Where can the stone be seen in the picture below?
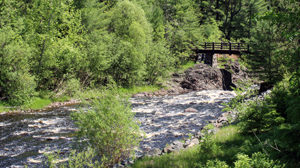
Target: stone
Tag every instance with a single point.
(154, 152)
(199, 135)
(191, 110)
(222, 120)
(187, 142)
(177, 145)
(202, 77)
(168, 149)
(139, 95)
(193, 142)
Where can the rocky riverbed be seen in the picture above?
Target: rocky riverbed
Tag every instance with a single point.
(167, 119)
(26, 137)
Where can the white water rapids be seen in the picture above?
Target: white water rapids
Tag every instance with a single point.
(25, 138)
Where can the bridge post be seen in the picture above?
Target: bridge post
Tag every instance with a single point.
(213, 46)
(208, 59)
(205, 45)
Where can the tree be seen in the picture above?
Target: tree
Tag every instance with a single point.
(132, 31)
(53, 31)
(16, 84)
(263, 61)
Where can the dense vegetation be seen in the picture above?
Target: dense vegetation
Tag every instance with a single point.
(57, 47)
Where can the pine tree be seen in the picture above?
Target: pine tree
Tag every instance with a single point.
(263, 60)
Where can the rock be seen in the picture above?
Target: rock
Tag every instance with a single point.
(222, 120)
(187, 142)
(154, 152)
(191, 110)
(227, 80)
(139, 95)
(218, 125)
(177, 145)
(265, 86)
(193, 142)
(211, 131)
(168, 149)
(199, 135)
(202, 77)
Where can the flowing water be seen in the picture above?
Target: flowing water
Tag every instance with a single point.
(25, 138)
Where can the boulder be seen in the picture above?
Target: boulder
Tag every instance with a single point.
(202, 77)
(154, 152)
(168, 149)
(177, 145)
(191, 110)
(193, 142)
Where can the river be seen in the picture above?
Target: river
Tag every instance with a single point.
(26, 137)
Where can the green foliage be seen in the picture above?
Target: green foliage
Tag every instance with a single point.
(158, 62)
(52, 31)
(17, 85)
(258, 160)
(216, 164)
(264, 62)
(86, 158)
(69, 88)
(109, 127)
(133, 33)
(210, 31)
(259, 116)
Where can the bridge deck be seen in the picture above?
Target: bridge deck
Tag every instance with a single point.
(226, 48)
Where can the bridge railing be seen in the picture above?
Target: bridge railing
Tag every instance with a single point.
(225, 46)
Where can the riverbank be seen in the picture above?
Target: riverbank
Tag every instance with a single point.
(39, 104)
(259, 137)
(47, 101)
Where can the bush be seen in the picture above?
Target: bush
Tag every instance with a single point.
(259, 116)
(20, 88)
(158, 62)
(109, 127)
(69, 88)
(258, 160)
(16, 84)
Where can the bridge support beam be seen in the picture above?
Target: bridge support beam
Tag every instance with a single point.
(209, 59)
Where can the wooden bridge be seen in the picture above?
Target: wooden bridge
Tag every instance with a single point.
(223, 48)
(209, 51)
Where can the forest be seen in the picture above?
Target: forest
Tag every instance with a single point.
(55, 48)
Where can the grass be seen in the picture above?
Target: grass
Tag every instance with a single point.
(44, 99)
(185, 66)
(182, 159)
(38, 103)
(224, 145)
(139, 89)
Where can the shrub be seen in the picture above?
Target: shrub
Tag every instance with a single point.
(258, 160)
(259, 116)
(19, 88)
(69, 88)
(158, 62)
(109, 127)
(16, 84)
